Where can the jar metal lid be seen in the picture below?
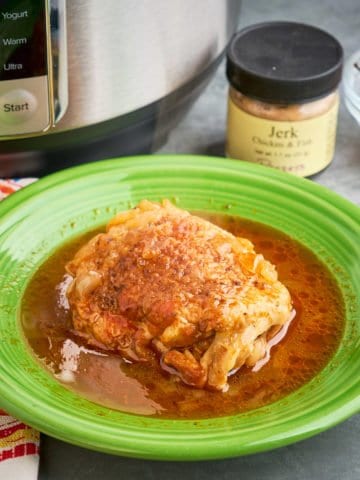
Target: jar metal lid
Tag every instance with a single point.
(284, 62)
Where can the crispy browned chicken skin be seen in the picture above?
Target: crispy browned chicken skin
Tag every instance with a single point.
(163, 282)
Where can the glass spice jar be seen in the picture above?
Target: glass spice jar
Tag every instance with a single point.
(283, 96)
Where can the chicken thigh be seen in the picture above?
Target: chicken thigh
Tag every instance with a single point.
(162, 282)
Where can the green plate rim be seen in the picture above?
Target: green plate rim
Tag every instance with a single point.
(140, 445)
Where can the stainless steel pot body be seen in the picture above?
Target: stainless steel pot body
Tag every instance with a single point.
(111, 65)
(123, 55)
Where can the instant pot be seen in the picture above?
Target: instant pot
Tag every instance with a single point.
(82, 80)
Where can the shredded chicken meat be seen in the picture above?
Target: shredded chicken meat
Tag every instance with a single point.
(162, 282)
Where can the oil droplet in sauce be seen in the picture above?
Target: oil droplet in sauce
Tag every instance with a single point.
(306, 347)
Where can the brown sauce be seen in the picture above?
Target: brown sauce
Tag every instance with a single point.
(104, 378)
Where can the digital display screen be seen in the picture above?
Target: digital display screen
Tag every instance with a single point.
(23, 52)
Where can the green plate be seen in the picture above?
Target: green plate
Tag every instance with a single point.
(36, 220)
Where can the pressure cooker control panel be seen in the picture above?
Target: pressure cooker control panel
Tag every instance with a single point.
(24, 77)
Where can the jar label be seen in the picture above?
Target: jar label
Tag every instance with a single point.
(302, 147)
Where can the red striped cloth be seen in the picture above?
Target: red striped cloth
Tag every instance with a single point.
(9, 186)
(16, 439)
(19, 444)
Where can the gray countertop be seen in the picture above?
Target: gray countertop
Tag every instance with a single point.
(332, 455)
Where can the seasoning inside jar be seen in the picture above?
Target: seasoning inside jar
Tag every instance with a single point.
(283, 96)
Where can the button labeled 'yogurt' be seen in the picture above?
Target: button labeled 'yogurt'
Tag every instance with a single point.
(17, 106)
(14, 15)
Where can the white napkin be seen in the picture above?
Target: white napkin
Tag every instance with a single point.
(19, 444)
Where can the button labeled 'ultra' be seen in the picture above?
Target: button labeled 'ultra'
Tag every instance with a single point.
(12, 66)
(17, 106)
